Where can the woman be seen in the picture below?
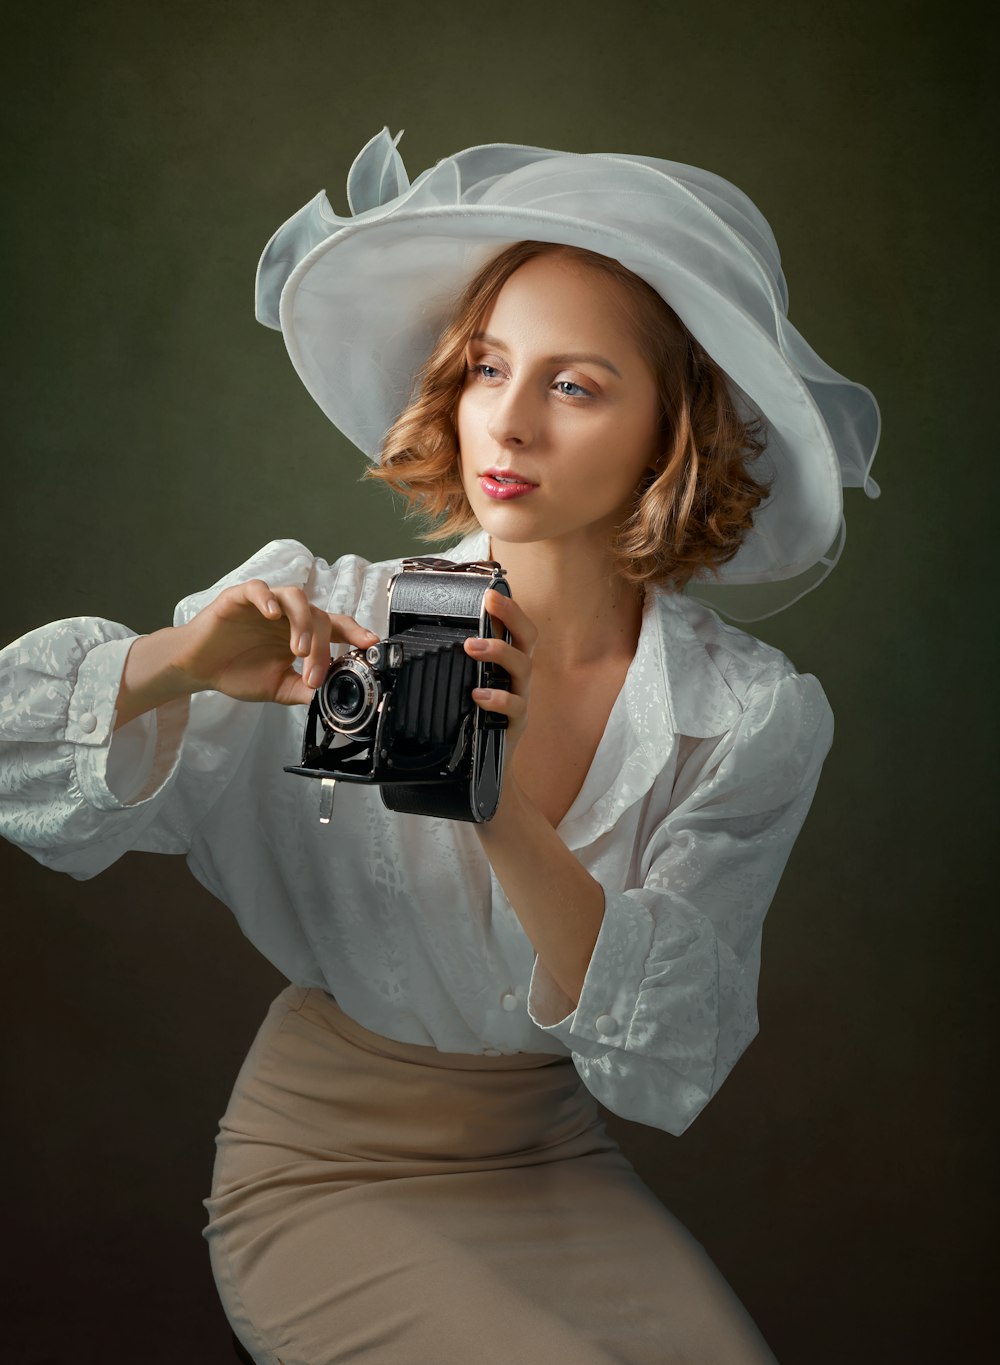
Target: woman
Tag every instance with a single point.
(584, 364)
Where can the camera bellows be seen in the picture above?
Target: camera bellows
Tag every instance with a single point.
(433, 692)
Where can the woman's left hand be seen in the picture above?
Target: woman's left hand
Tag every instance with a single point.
(515, 657)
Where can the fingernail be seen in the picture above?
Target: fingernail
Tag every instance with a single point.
(315, 676)
(477, 645)
(483, 693)
(305, 641)
(273, 608)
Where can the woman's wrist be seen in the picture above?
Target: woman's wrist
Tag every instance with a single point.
(510, 804)
(153, 675)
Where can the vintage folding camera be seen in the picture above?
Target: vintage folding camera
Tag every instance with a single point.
(401, 714)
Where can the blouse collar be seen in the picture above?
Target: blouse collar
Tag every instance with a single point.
(673, 687)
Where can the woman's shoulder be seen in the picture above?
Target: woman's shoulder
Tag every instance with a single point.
(721, 679)
(743, 662)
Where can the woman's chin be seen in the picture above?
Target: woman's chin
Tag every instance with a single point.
(505, 534)
(507, 522)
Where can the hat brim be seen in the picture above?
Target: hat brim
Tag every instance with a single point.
(363, 309)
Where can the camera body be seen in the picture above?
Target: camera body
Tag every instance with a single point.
(400, 713)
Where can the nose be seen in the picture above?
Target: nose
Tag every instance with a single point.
(513, 416)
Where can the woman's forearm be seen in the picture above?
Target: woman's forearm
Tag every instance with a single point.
(152, 676)
(560, 905)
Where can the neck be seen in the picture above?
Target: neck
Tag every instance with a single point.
(585, 613)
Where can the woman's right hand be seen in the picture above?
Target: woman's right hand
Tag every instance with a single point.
(246, 640)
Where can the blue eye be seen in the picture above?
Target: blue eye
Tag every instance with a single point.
(482, 366)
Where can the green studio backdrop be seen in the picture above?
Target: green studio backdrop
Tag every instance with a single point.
(156, 435)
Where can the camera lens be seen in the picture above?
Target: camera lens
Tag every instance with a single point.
(346, 696)
(348, 699)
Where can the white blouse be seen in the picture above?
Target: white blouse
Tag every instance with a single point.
(700, 784)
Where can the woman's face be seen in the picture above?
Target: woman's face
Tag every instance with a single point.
(556, 390)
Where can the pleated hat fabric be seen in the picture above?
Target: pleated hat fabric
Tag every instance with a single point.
(361, 300)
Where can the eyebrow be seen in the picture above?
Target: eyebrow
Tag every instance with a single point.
(556, 359)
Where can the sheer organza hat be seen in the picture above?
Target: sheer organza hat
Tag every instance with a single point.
(361, 300)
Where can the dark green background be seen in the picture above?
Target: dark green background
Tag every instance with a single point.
(156, 435)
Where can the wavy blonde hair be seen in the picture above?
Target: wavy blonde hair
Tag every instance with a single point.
(690, 512)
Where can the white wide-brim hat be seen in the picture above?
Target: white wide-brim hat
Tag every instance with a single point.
(361, 302)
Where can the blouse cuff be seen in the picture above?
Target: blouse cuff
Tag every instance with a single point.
(610, 988)
(125, 767)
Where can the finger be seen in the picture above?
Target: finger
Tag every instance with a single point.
(513, 617)
(292, 690)
(316, 663)
(495, 699)
(297, 607)
(508, 656)
(346, 629)
(324, 628)
(260, 595)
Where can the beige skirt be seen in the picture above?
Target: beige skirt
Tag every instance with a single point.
(384, 1203)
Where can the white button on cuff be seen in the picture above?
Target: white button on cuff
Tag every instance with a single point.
(88, 722)
(606, 1024)
(492, 1052)
(509, 1001)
